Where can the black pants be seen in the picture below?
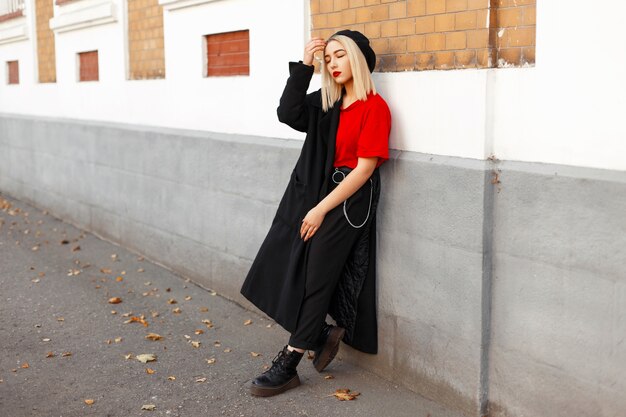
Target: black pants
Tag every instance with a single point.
(329, 249)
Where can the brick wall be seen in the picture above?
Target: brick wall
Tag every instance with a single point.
(145, 39)
(435, 34)
(13, 72)
(88, 66)
(228, 53)
(46, 58)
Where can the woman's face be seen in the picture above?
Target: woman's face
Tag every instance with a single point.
(337, 62)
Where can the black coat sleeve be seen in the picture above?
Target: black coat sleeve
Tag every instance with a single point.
(293, 110)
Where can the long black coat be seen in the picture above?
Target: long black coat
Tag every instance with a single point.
(275, 282)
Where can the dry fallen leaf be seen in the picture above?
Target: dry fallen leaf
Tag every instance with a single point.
(89, 401)
(210, 361)
(25, 365)
(76, 248)
(171, 378)
(200, 379)
(154, 314)
(146, 357)
(172, 301)
(45, 339)
(138, 320)
(150, 371)
(247, 322)
(105, 270)
(199, 331)
(140, 270)
(149, 407)
(217, 343)
(129, 356)
(49, 354)
(118, 339)
(344, 394)
(254, 354)
(115, 300)
(195, 344)
(213, 293)
(113, 312)
(177, 310)
(208, 323)
(204, 309)
(227, 350)
(329, 377)
(153, 336)
(119, 279)
(188, 298)
(66, 354)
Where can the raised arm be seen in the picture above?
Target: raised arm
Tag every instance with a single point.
(292, 109)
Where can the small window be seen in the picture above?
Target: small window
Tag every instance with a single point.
(88, 66)
(13, 72)
(228, 53)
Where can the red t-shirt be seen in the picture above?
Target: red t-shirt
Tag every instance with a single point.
(363, 131)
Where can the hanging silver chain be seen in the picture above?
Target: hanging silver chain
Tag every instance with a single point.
(345, 212)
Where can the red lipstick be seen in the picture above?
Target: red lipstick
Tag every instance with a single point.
(336, 73)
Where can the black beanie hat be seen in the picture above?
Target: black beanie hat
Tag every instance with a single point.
(364, 45)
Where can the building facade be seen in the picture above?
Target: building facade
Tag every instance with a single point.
(502, 236)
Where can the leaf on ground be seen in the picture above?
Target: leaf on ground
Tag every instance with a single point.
(113, 312)
(115, 300)
(213, 293)
(217, 343)
(177, 310)
(195, 344)
(149, 407)
(344, 394)
(129, 356)
(25, 365)
(138, 320)
(172, 301)
(171, 378)
(76, 248)
(200, 379)
(255, 354)
(114, 256)
(153, 336)
(66, 354)
(119, 279)
(210, 361)
(150, 371)
(45, 339)
(208, 323)
(199, 331)
(329, 377)
(204, 309)
(247, 322)
(117, 339)
(140, 270)
(65, 242)
(50, 355)
(146, 357)
(188, 298)
(89, 401)
(105, 270)
(227, 350)
(154, 314)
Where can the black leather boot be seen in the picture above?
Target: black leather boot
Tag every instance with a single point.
(280, 377)
(328, 346)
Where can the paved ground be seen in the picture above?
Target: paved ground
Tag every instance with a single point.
(62, 343)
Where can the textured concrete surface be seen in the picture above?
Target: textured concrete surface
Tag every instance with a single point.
(497, 280)
(54, 298)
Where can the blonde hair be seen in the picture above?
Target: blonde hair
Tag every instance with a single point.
(361, 76)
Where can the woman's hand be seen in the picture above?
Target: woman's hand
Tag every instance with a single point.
(314, 45)
(311, 223)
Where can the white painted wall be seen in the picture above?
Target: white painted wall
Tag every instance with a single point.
(564, 110)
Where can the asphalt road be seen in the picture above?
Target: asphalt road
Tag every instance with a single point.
(63, 343)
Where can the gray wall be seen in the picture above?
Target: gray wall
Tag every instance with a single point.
(512, 293)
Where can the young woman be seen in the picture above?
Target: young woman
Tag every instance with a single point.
(319, 255)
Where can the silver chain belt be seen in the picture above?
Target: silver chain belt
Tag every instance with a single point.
(345, 212)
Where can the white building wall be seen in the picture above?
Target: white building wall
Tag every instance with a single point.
(565, 110)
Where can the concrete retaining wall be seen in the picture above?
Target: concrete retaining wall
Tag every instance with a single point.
(512, 293)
